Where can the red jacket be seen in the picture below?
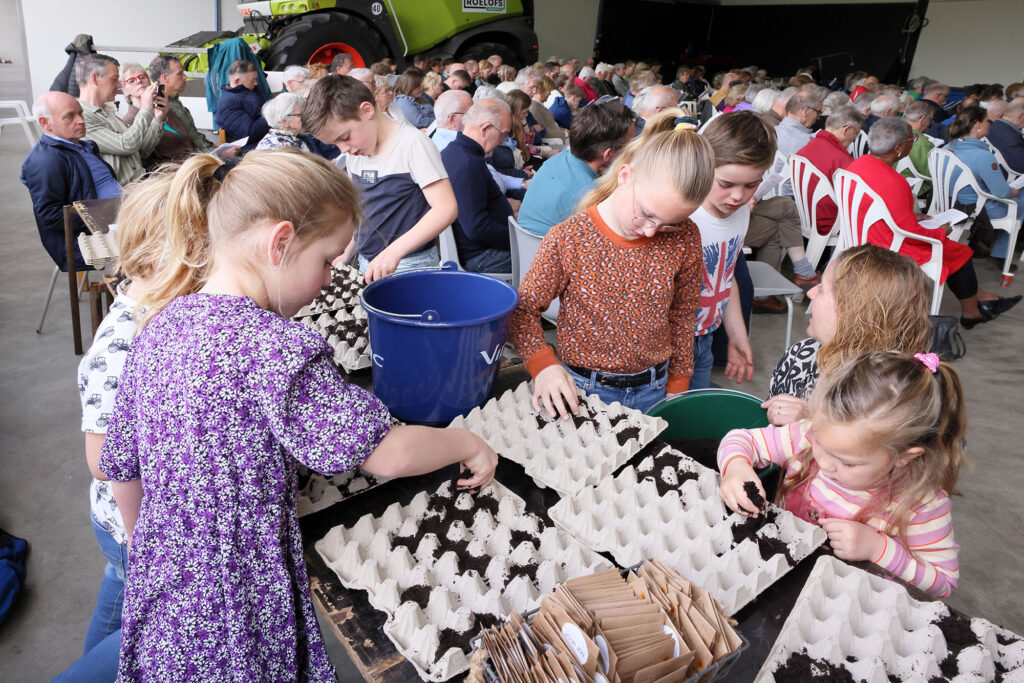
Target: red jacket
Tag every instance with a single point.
(895, 192)
(589, 92)
(827, 154)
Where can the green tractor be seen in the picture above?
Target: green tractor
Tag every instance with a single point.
(290, 32)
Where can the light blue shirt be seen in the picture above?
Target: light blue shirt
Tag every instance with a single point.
(102, 176)
(979, 158)
(791, 136)
(554, 192)
(442, 137)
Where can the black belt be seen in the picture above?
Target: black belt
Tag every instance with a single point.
(624, 381)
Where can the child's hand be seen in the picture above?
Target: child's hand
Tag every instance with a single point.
(481, 464)
(739, 365)
(383, 264)
(736, 474)
(553, 384)
(853, 541)
(783, 409)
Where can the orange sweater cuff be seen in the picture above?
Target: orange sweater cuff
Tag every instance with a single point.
(544, 358)
(677, 384)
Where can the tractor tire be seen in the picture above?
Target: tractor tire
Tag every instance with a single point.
(480, 51)
(310, 34)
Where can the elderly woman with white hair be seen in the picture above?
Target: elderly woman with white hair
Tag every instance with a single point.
(583, 80)
(294, 79)
(890, 140)
(284, 116)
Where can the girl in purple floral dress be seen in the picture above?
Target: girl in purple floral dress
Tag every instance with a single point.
(221, 395)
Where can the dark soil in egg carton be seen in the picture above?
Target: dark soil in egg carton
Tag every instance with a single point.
(622, 436)
(802, 668)
(958, 635)
(704, 451)
(750, 528)
(450, 638)
(750, 488)
(665, 460)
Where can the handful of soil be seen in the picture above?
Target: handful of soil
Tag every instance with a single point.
(750, 488)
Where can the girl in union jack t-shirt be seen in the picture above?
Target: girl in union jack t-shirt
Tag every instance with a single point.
(744, 149)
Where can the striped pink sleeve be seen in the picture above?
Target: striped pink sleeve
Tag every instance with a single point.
(931, 562)
(765, 446)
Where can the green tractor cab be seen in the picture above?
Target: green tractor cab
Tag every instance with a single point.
(316, 31)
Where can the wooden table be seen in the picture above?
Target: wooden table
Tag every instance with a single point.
(360, 627)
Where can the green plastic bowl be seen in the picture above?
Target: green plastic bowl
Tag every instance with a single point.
(711, 414)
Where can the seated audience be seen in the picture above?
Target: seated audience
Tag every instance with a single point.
(919, 116)
(863, 102)
(384, 97)
(827, 152)
(603, 83)
(294, 79)
(1005, 135)
(532, 83)
(935, 95)
(651, 102)
(870, 299)
(763, 103)
(834, 101)
(342, 64)
(598, 134)
(134, 82)
(62, 168)
(967, 141)
(867, 84)
(889, 141)
(120, 145)
(179, 137)
(284, 116)
(639, 81)
(735, 99)
(728, 80)
(881, 107)
(481, 228)
(238, 110)
(433, 86)
(316, 71)
(460, 80)
(367, 78)
(619, 79)
(408, 89)
(794, 132)
(778, 110)
(583, 80)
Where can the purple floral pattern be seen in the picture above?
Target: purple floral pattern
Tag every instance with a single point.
(218, 400)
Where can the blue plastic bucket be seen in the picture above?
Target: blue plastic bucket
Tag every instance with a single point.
(436, 338)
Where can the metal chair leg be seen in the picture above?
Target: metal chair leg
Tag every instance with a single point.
(49, 295)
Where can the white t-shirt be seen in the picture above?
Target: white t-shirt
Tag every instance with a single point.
(99, 375)
(721, 241)
(392, 185)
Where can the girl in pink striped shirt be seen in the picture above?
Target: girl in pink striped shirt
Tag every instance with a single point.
(875, 465)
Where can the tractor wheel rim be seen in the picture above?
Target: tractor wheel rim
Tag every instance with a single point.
(327, 53)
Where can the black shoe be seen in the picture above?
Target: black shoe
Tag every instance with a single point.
(999, 306)
(968, 323)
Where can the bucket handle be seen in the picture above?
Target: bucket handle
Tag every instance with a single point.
(427, 316)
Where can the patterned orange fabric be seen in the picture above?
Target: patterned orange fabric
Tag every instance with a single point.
(626, 305)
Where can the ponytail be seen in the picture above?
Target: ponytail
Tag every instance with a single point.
(187, 239)
(666, 149)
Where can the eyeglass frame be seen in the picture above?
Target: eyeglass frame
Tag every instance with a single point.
(642, 222)
(135, 79)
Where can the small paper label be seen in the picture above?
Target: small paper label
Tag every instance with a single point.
(675, 638)
(577, 641)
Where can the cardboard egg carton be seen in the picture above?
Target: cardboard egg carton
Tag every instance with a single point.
(565, 455)
(318, 492)
(849, 621)
(346, 333)
(343, 292)
(99, 249)
(668, 507)
(449, 564)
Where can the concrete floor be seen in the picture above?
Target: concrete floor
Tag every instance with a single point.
(44, 481)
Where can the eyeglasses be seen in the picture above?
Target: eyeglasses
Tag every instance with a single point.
(643, 223)
(293, 115)
(136, 80)
(816, 111)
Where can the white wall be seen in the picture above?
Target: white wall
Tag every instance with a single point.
(10, 32)
(52, 24)
(565, 28)
(972, 41)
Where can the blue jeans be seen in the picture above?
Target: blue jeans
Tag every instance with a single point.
(703, 359)
(428, 258)
(489, 261)
(99, 665)
(640, 398)
(106, 617)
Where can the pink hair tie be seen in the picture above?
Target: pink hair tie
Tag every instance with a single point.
(929, 360)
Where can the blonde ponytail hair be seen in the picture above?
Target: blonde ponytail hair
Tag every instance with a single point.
(203, 214)
(141, 237)
(665, 151)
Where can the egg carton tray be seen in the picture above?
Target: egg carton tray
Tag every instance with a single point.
(343, 292)
(449, 564)
(853, 625)
(564, 455)
(668, 507)
(99, 249)
(318, 492)
(346, 333)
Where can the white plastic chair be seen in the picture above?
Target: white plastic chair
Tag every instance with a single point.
(905, 164)
(810, 188)
(859, 146)
(1010, 173)
(448, 251)
(950, 175)
(851, 193)
(524, 247)
(24, 118)
(780, 165)
(770, 282)
(690, 107)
